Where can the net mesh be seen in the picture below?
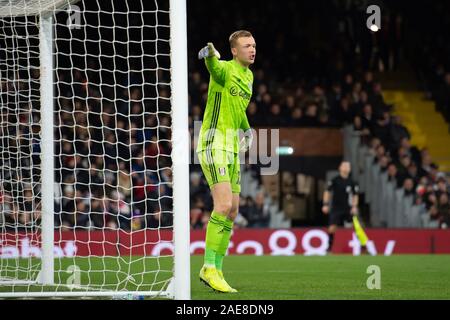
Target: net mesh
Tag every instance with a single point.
(112, 129)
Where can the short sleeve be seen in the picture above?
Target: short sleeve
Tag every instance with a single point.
(330, 185)
(355, 188)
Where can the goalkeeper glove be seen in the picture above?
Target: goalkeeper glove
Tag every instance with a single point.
(247, 140)
(208, 52)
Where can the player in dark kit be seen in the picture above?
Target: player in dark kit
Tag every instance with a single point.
(344, 202)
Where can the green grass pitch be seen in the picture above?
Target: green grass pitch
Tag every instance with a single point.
(330, 277)
(280, 277)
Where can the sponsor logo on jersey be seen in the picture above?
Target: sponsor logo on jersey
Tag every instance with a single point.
(244, 95)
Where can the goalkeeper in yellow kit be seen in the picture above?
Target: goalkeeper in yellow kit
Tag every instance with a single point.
(229, 93)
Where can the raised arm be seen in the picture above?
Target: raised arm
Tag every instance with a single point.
(216, 68)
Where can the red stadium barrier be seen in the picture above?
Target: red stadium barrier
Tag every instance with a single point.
(305, 241)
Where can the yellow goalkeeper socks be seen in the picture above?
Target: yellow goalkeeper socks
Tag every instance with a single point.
(214, 235)
(220, 254)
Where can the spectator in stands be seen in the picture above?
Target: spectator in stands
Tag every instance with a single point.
(288, 107)
(384, 163)
(334, 96)
(430, 198)
(257, 212)
(320, 99)
(197, 113)
(275, 116)
(255, 115)
(433, 213)
(363, 132)
(428, 167)
(355, 95)
(367, 118)
(441, 185)
(194, 86)
(444, 210)
(311, 117)
(377, 100)
(382, 127)
(9, 210)
(367, 84)
(260, 92)
(153, 220)
(413, 173)
(348, 84)
(138, 165)
(343, 114)
(244, 205)
(67, 204)
(98, 212)
(120, 211)
(403, 165)
(408, 187)
(198, 212)
(392, 173)
(421, 190)
(198, 188)
(295, 119)
(124, 184)
(81, 214)
(137, 220)
(264, 106)
(398, 131)
(380, 152)
(412, 151)
(361, 102)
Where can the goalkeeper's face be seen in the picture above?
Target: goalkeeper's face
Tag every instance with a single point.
(245, 50)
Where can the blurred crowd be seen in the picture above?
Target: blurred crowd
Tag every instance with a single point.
(322, 75)
(113, 168)
(410, 168)
(253, 212)
(123, 174)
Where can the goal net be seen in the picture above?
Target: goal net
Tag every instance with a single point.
(93, 162)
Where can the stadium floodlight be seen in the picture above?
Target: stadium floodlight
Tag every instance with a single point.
(94, 149)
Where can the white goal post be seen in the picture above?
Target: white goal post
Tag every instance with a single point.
(94, 149)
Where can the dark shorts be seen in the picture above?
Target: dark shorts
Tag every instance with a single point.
(339, 217)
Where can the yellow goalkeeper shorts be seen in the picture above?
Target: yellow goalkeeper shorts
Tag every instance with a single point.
(221, 166)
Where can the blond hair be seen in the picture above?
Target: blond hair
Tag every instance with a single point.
(238, 34)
